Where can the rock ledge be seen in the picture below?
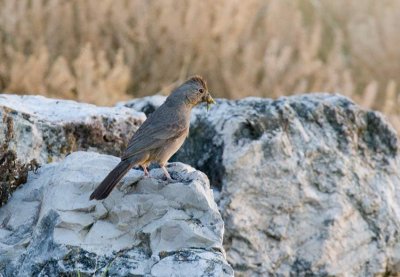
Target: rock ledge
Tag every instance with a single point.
(146, 226)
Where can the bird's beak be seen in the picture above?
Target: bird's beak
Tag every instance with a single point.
(209, 100)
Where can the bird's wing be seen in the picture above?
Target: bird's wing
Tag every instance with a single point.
(153, 134)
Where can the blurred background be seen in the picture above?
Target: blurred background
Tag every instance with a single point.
(111, 50)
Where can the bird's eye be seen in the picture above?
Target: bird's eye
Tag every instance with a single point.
(201, 90)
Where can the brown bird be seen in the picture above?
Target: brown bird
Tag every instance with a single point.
(161, 135)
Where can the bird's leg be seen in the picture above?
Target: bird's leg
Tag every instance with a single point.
(146, 172)
(166, 173)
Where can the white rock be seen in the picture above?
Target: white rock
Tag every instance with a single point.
(35, 130)
(310, 185)
(178, 264)
(146, 104)
(50, 222)
(42, 126)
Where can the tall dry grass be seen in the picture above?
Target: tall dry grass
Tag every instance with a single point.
(103, 51)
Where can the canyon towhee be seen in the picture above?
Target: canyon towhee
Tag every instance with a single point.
(160, 136)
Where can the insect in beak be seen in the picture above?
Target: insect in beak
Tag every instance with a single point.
(209, 101)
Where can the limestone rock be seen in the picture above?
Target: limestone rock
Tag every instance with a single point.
(146, 104)
(145, 227)
(36, 130)
(310, 185)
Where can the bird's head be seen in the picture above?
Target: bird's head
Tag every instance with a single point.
(194, 91)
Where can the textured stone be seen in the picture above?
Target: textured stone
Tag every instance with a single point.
(146, 104)
(310, 185)
(145, 227)
(35, 130)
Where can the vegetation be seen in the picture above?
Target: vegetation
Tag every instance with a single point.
(103, 51)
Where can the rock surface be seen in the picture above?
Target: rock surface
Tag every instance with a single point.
(35, 130)
(146, 104)
(145, 227)
(310, 185)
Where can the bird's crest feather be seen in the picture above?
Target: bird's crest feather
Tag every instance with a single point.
(198, 79)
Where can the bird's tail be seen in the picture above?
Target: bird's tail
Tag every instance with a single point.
(112, 179)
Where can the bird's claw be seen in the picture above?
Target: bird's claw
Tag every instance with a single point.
(166, 175)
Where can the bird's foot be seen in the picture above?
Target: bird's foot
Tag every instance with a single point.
(167, 176)
(146, 172)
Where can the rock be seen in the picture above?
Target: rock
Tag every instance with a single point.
(310, 185)
(145, 227)
(146, 104)
(35, 130)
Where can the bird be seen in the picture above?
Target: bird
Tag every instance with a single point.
(160, 135)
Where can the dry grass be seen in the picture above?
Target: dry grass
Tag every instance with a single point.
(102, 51)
